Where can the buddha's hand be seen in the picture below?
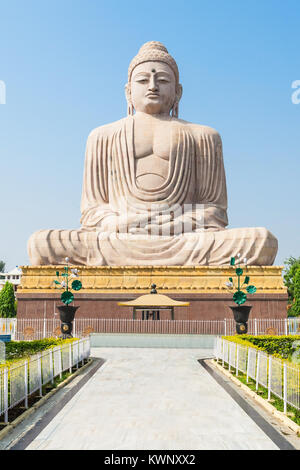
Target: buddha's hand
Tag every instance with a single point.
(126, 223)
(169, 225)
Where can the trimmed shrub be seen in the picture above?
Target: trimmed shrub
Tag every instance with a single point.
(280, 346)
(16, 350)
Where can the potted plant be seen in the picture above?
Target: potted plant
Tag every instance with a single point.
(67, 311)
(240, 312)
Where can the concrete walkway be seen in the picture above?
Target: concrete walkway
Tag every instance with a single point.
(151, 399)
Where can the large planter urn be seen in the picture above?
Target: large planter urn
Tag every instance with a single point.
(241, 315)
(67, 314)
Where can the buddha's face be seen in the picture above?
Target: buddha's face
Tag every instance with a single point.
(152, 88)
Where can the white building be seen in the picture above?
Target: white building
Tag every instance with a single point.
(14, 277)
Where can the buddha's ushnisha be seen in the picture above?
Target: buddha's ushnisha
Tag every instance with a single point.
(154, 188)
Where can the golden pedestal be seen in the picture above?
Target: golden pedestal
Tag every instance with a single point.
(138, 279)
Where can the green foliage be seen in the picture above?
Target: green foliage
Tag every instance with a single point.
(16, 350)
(279, 346)
(292, 265)
(294, 310)
(7, 301)
(2, 266)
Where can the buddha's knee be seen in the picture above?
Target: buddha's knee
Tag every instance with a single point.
(46, 247)
(265, 236)
(35, 247)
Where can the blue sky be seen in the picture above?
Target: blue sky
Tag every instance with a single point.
(65, 65)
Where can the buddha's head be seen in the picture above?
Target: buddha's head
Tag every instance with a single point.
(153, 81)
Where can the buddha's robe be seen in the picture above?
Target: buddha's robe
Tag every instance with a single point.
(194, 190)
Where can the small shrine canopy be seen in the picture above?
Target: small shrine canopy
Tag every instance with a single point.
(154, 300)
(151, 304)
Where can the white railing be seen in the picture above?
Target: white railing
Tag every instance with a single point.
(279, 377)
(38, 328)
(21, 380)
(8, 326)
(262, 326)
(294, 325)
(28, 329)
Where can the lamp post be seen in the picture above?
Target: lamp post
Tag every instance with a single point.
(66, 311)
(240, 312)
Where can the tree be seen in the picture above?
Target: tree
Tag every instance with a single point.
(2, 266)
(7, 301)
(294, 310)
(292, 265)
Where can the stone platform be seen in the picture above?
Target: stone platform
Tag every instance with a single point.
(103, 287)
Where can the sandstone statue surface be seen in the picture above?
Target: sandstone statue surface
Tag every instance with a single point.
(154, 188)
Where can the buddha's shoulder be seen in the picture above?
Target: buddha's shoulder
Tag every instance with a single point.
(199, 130)
(107, 130)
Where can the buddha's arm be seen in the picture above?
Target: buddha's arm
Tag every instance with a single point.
(97, 213)
(95, 207)
(210, 187)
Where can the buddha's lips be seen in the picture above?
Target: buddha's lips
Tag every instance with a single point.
(152, 95)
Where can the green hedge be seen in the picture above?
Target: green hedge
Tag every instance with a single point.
(280, 346)
(15, 350)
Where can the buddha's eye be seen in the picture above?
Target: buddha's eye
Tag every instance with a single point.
(142, 80)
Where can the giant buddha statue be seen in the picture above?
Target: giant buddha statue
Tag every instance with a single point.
(154, 187)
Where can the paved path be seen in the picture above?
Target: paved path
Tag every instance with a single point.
(151, 399)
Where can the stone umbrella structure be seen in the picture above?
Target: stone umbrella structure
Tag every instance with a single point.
(151, 304)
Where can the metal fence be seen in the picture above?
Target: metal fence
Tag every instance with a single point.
(8, 326)
(279, 377)
(38, 328)
(24, 378)
(266, 326)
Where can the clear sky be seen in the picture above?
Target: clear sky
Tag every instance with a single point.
(64, 63)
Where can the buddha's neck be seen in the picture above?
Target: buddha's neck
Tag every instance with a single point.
(160, 116)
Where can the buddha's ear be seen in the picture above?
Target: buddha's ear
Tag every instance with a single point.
(130, 108)
(178, 92)
(175, 107)
(127, 92)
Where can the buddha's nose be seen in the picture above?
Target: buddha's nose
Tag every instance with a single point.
(153, 84)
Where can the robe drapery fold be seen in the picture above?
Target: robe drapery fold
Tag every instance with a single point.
(196, 176)
(194, 192)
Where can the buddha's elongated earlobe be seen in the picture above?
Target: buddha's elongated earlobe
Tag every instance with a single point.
(175, 110)
(175, 107)
(130, 108)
